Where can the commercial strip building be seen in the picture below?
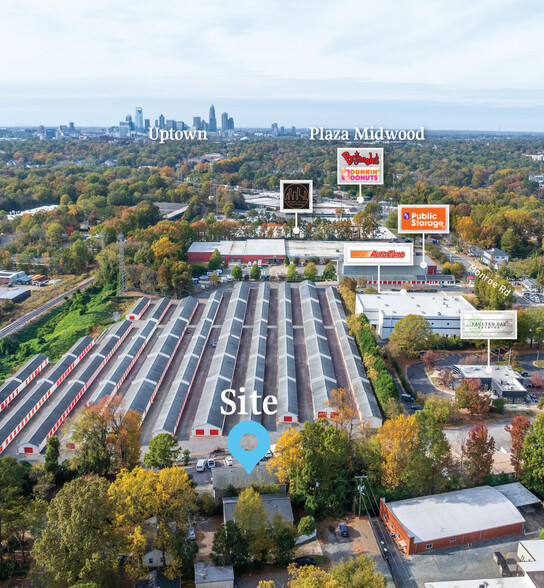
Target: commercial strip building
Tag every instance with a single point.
(453, 518)
(529, 566)
(383, 311)
(501, 380)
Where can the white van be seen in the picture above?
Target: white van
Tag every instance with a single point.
(211, 462)
(201, 465)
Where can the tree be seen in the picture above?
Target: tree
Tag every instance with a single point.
(343, 411)
(54, 234)
(458, 270)
(287, 456)
(429, 359)
(479, 451)
(215, 261)
(79, 542)
(358, 573)
(399, 445)
(286, 260)
(165, 249)
(292, 273)
(282, 535)
(310, 272)
(52, 454)
(445, 378)
(229, 546)
(306, 526)
(236, 272)
(106, 437)
(329, 272)
(163, 451)
(536, 380)
(411, 334)
(518, 428)
(255, 272)
(250, 515)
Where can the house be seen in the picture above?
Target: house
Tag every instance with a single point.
(239, 478)
(433, 522)
(209, 576)
(494, 257)
(273, 504)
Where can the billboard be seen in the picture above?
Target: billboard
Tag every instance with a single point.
(424, 218)
(296, 195)
(360, 166)
(489, 324)
(378, 253)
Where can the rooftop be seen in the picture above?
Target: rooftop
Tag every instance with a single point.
(206, 572)
(518, 495)
(430, 305)
(11, 293)
(504, 376)
(430, 518)
(273, 503)
(239, 478)
(496, 252)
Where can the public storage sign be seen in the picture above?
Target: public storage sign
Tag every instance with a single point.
(360, 166)
(378, 253)
(489, 324)
(422, 218)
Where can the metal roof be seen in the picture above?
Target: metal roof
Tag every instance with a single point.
(139, 306)
(174, 403)
(161, 308)
(21, 375)
(287, 379)
(273, 504)
(430, 518)
(220, 378)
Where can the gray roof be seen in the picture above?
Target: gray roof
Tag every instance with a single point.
(322, 376)
(222, 370)
(160, 309)
(430, 518)
(239, 478)
(174, 403)
(287, 379)
(206, 572)
(35, 399)
(139, 306)
(16, 381)
(273, 503)
(517, 494)
(365, 401)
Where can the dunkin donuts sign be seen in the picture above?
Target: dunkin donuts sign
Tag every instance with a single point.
(360, 166)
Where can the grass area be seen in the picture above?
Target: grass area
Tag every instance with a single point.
(540, 363)
(41, 296)
(87, 313)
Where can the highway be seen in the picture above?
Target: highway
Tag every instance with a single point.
(33, 314)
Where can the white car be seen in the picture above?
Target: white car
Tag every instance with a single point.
(228, 460)
(269, 454)
(191, 535)
(211, 462)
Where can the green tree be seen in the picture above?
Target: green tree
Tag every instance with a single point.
(292, 273)
(236, 272)
(532, 456)
(457, 269)
(411, 334)
(52, 454)
(229, 546)
(163, 451)
(306, 526)
(54, 234)
(79, 542)
(215, 261)
(310, 271)
(250, 515)
(286, 260)
(282, 536)
(255, 272)
(358, 573)
(329, 272)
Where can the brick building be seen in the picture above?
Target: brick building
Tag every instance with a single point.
(454, 518)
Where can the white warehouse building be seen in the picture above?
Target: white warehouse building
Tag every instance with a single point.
(383, 311)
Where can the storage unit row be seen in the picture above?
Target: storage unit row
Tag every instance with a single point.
(14, 385)
(287, 378)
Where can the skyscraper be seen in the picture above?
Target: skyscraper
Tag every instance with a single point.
(224, 122)
(230, 123)
(162, 122)
(139, 118)
(213, 120)
(197, 123)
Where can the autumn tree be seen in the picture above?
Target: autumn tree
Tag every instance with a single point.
(429, 359)
(250, 515)
(398, 442)
(287, 456)
(536, 380)
(445, 378)
(479, 451)
(165, 249)
(310, 271)
(343, 411)
(518, 428)
(292, 273)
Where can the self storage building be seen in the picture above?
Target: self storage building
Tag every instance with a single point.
(453, 518)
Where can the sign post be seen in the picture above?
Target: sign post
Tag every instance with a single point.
(360, 165)
(296, 196)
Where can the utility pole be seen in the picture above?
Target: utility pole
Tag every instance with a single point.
(122, 281)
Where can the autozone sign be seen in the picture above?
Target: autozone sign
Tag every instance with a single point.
(424, 218)
(378, 253)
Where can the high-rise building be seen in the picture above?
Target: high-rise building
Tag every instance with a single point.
(139, 119)
(197, 122)
(147, 124)
(274, 129)
(180, 125)
(224, 122)
(213, 120)
(230, 124)
(171, 124)
(162, 122)
(124, 129)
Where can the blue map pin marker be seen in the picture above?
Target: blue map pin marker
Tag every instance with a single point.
(249, 458)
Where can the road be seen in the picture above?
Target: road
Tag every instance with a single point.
(30, 316)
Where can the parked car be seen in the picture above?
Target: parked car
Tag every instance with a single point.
(304, 561)
(343, 530)
(228, 460)
(416, 407)
(525, 374)
(191, 534)
(211, 462)
(407, 397)
(201, 465)
(203, 277)
(214, 343)
(269, 454)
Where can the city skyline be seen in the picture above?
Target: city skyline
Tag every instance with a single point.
(472, 65)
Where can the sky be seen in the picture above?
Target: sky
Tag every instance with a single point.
(470, 64)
